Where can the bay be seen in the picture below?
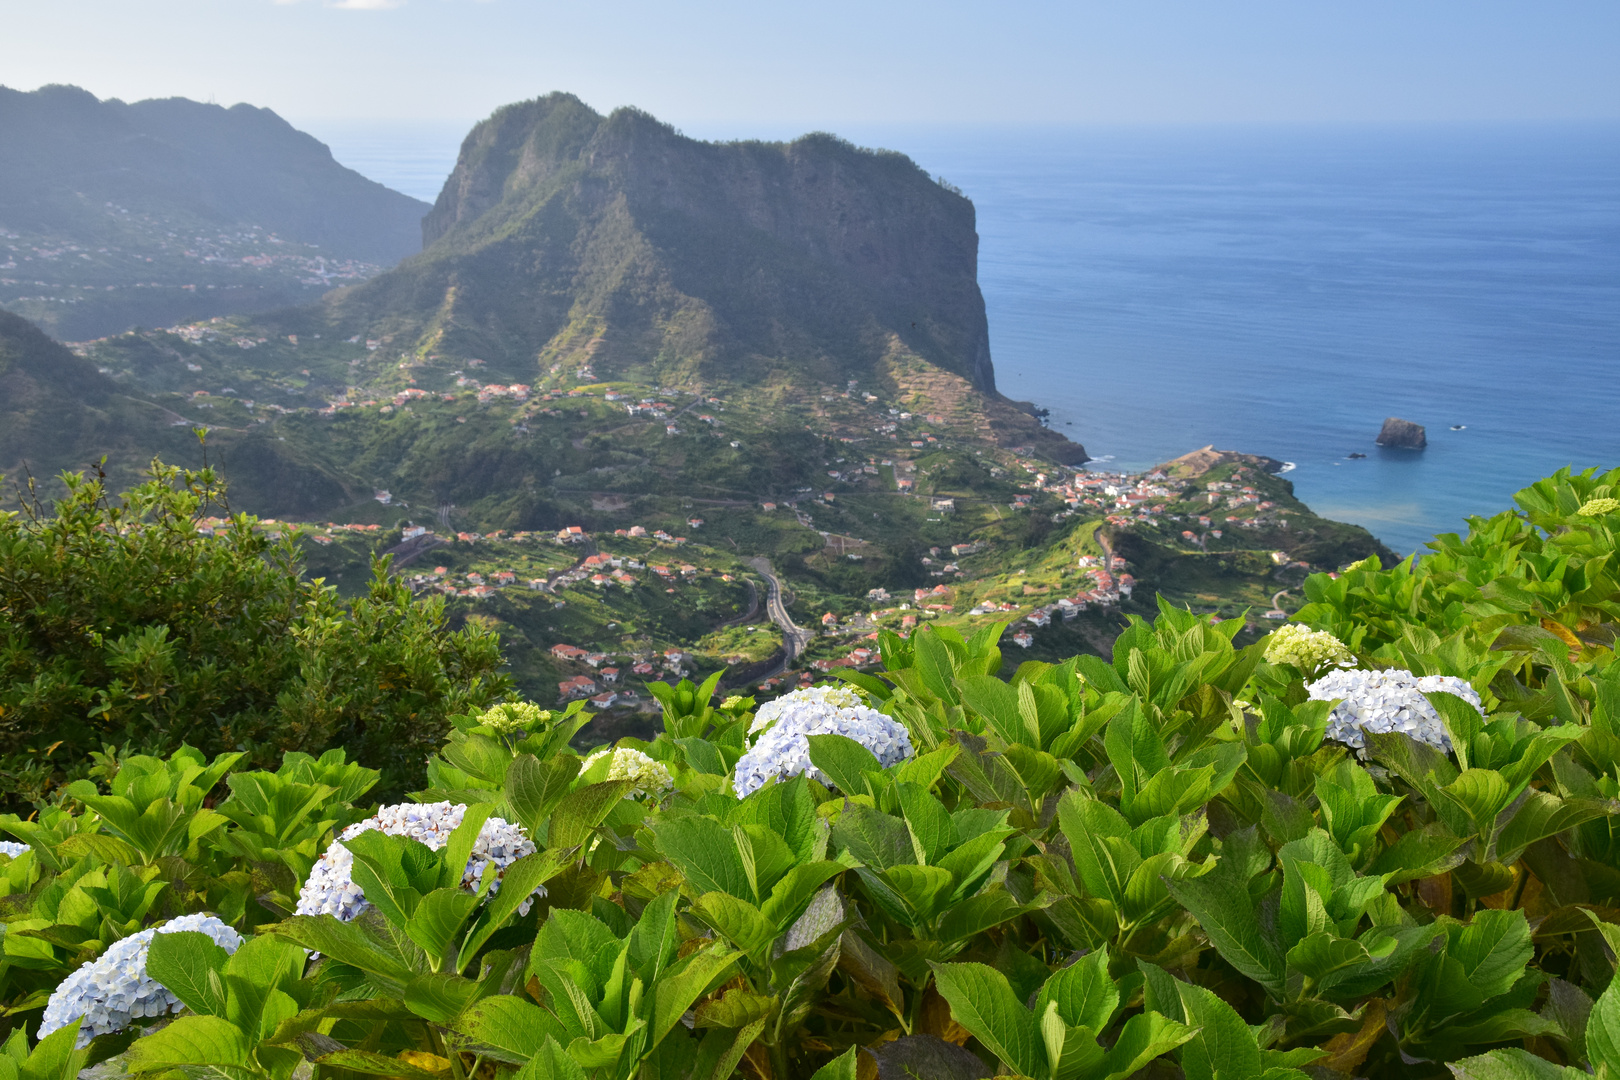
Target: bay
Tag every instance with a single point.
(1278, 291)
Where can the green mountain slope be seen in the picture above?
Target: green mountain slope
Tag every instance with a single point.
(115, 214)
(59, 412)
(566, 242)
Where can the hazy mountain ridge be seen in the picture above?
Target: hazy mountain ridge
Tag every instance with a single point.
(115, 215)
(237, 165)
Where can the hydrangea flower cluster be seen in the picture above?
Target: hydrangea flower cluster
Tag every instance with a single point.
(649, 776)
(12, 848)
(331, 889)
(786, 724)
(1387, 701)
(1598, 507)
(1306, 649)
(114, 989)
(514, 717)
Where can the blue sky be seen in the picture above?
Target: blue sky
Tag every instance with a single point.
(738, 68)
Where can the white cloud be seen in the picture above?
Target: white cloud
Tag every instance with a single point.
(368, 5)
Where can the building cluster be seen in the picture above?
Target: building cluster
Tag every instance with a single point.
(603, 687)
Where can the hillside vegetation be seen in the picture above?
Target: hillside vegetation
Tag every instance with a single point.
(1189, 859)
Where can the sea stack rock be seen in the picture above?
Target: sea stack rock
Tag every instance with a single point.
(1402, 434)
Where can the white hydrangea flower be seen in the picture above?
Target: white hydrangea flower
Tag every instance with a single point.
(650, 777)
(114, 989)
(511, 717)
(783, 748)
(1387, 701)
(12, 848)
(1598, 507)
(331, 889)
(1306, 649)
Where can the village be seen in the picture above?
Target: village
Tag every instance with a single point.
(881, 507)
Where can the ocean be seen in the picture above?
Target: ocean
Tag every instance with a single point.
(1278, 291)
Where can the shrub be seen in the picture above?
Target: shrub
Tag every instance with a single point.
(143, 623)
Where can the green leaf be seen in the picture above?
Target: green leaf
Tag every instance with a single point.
(932, 831)
(437, 923)
(1220, 901)
(684, 984)
(510, 1026)
(1223, 1047)
(55, 1058)
(191, 967)
(845, 762)
(734, 1009)
(1419, 853)
(575, 935)
(518, 884)
(583, 810)
(1493, 950)
(705, 851)
(550, 1063)
(359, 944)
(1512, 1063)
(1143, 1038)
(1603, 1031)
(738, 921)
(1083, 992)
(794, 889)
(874, 838)
(194, 1043)
(370, 1064)
(1104, 868)
(440, 996)
(983, 1001)
(977, 914)
(534, 787)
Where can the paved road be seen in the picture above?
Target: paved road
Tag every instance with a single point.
(794, 637)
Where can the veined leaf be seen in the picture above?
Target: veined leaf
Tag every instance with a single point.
(983, 1001)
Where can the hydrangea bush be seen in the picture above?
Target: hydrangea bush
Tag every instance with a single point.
(651, 778)
(1388, 701)
(1308, 650)
(783, 728)
(1190, 858)
(114, 990)
(330, 889)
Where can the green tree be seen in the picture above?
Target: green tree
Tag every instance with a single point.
(159, 618)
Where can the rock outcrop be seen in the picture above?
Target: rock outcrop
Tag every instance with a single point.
(1199, 462)
(562, 231)
(1402, 435)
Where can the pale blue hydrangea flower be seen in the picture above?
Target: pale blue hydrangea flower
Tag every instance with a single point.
(12, 848)
(1381, 701)
(785, 725)
(331, 890)
(114, 989)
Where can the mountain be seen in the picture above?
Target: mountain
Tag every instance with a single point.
(115, 214)
(566, 241)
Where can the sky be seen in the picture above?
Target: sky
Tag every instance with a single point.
(735, 68)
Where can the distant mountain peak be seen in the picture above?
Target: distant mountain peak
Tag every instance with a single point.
(698, 260)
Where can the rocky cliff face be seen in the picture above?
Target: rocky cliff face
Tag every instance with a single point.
(1402, 435)
(671, 256)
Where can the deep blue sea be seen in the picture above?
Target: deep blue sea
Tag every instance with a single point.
(1279, 291)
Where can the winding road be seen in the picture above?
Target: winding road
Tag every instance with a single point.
(794, 637)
